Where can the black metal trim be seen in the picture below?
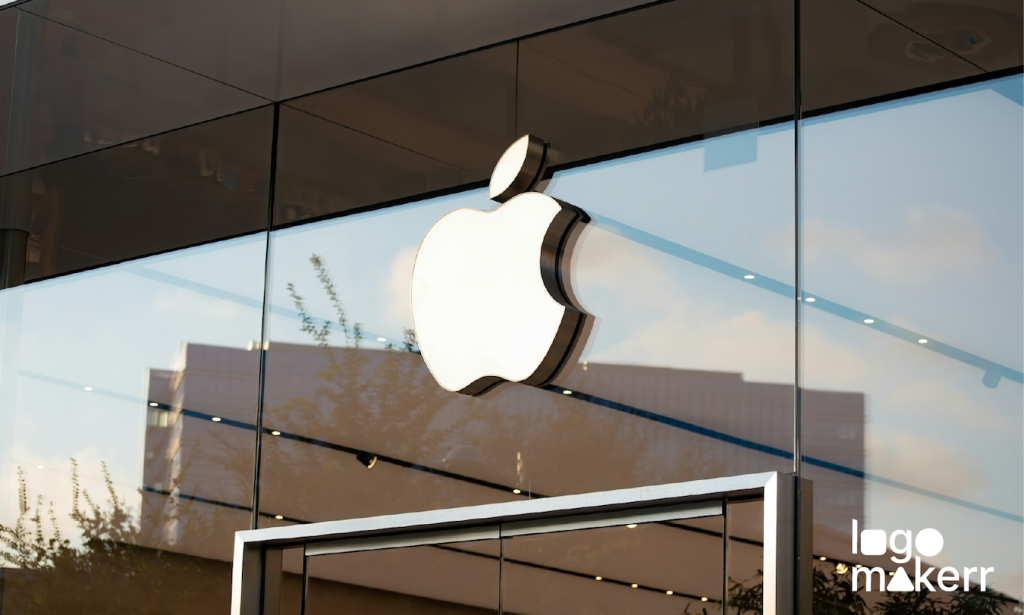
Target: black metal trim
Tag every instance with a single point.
(264, 322)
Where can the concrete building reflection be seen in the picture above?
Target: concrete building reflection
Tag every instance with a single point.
(329, 410)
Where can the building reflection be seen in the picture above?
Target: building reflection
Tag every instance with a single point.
(353, 431)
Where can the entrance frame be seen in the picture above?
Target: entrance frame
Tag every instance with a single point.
(257, 569)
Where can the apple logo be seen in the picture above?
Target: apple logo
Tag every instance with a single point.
(491, 297)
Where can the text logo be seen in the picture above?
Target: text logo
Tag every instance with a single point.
(906, 545)
(491, 297)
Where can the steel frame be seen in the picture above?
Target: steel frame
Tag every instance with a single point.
(257, 572)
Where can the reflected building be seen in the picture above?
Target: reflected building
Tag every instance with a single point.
(342, 443)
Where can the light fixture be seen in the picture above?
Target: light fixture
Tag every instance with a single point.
(566, 392)
(382, 339)
(704, 599)
(598, 578)
(748, 277)
(857, 566)
(215, 419)
(87, 388)
(40, 467)
(367, 459)
(634, 586)
(822, 558)
(275, 433)
(811, 300)
(279, 517)
(892, 573)
(516, 491)
(841, 568)
(922, 341)
(869, 321)
(153, 404)
(668, 593)
(631, 525)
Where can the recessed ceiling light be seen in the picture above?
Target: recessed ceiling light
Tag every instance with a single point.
(40, 467)
(153, 404)
(668, 593)
(279, 517)
(748, 277)
(704, 599)
(922, 341)
(822, 558)
(87, 388)
(215, 419)
(634, 586)
(631, 525)
(275, 433)
(566, 392)
(598, 578)
(811, 300)
(382, 339)
(869, 321)
(516, 491)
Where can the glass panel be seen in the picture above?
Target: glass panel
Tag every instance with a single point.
(987, 34)
(458, 579)
(656, 568)
(689, 373)
(126, 442)
(674, 71)
(231, 41)
(70, 93)
(851, 52)
(8, 49)
(365, 38)
(422, 130)
(913, 260)
(746, 559)
(191, 186)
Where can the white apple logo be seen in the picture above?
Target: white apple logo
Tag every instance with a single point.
(491, 299)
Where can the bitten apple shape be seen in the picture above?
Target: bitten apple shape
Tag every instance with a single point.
(491, 302)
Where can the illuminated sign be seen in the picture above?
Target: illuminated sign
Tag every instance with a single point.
(491, 297)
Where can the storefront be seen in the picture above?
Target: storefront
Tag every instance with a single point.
(803, 253)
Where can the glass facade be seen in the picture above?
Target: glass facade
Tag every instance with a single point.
(805, 254)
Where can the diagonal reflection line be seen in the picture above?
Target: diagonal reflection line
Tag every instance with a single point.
(26, 9)
(993, 372)
(771, 450)
(924, 36)
(217, 293)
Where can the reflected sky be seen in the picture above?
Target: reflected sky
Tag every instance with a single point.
(105, 330)
(912, 214)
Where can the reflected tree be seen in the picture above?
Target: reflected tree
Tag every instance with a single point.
(113, 565)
